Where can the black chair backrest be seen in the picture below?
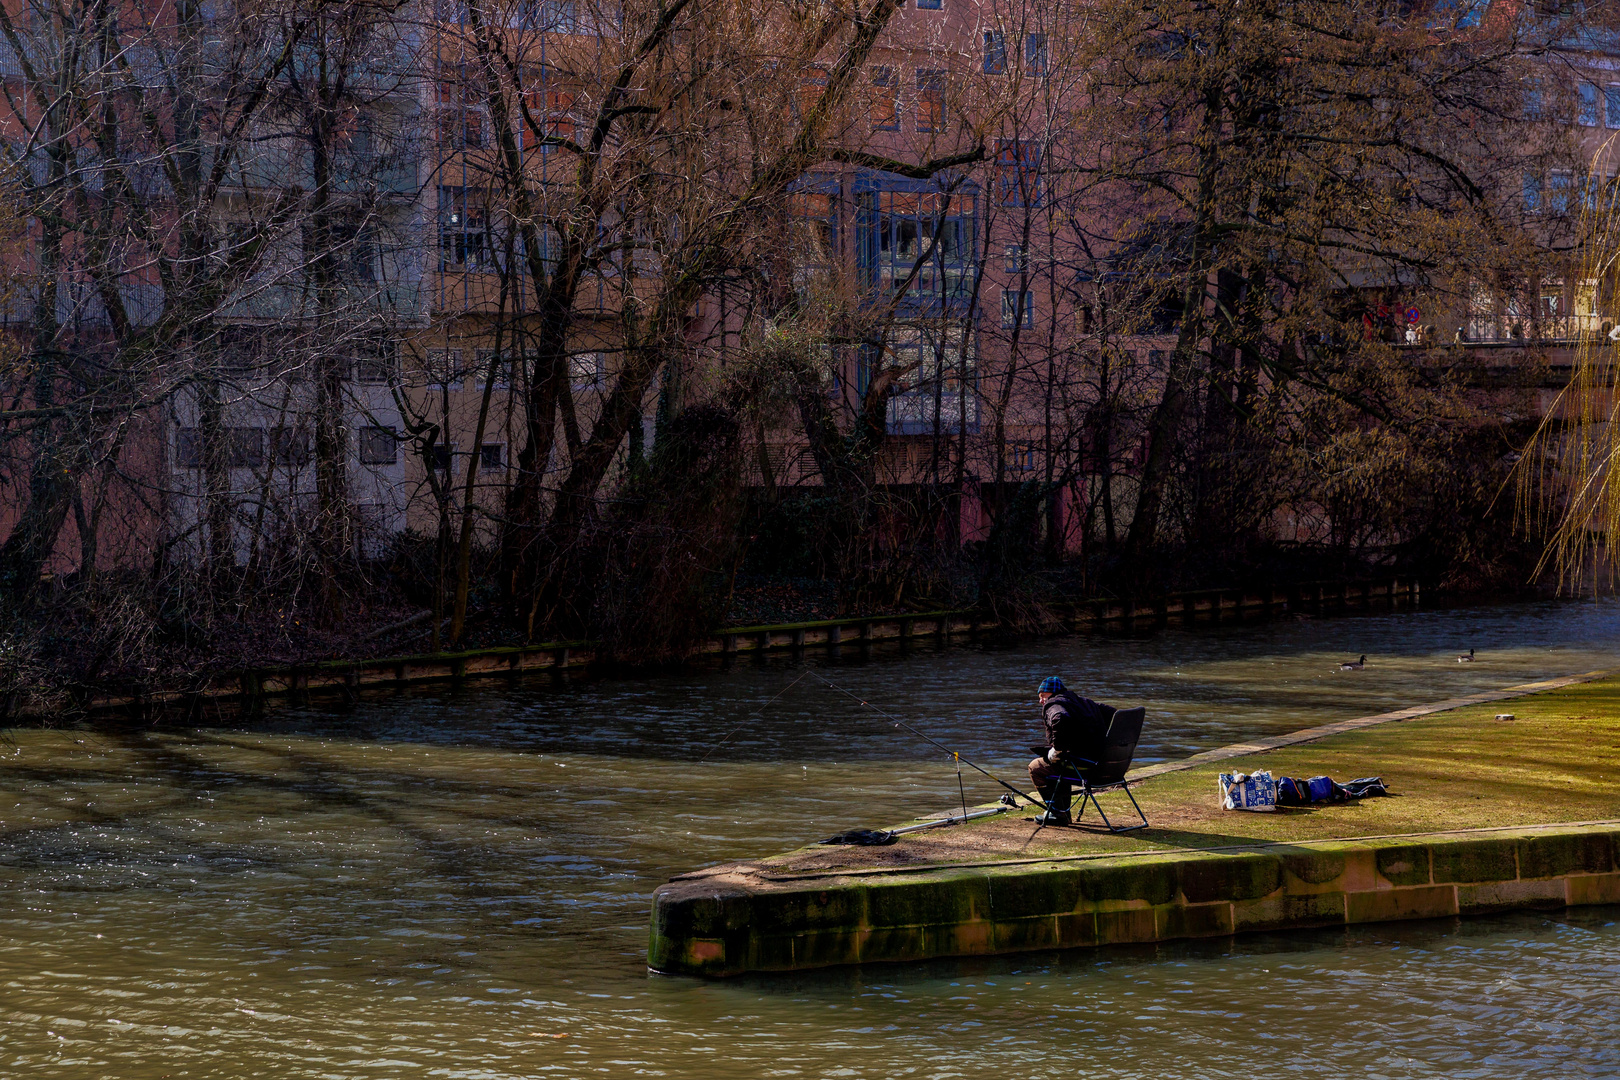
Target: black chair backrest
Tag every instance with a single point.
(1124, 732)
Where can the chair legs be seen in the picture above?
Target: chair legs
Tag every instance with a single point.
(1088, 793)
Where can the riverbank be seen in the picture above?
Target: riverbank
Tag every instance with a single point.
(346, 678)
(1487, 814)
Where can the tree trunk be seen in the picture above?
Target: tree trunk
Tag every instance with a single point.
(53, 472)
(1165, 427)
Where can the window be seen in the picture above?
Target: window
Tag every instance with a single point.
(1458, 14)
(1587, 115)
(551, 16)
(1018, 166)
(461, 129)
(933, 362)
(455, 86)
(585, 369)
(935, 365)
(1586, 292)
(1017, 308)
(921, 242)
(1592, 191)
(351, 250)
(1611, 106)
(443, 456)
(930, 5)
(1035, 53)
(445, 369)
(559, 115)
(188, 448)
(816, 210)
(885, 99)
(930, 100)
(377, 363)
(504, 365)
(1601, 192)
(812, 84)
(378, 446)
(1514, 306)
(490, 456)
(246, 447)
(1532, 192)
(995, 52)
(1017, 259)
(362, 146)
(289, 446)
(1021, 457)
(464, 241)
(1552, 303)
(1558, 186)
(238, 236)
(355, 249)
(1534, 106)
(548, 107)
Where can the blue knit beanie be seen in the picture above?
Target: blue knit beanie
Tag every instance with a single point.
(1051, 685)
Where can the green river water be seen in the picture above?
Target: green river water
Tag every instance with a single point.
(455, 882)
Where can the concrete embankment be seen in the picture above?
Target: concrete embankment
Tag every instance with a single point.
(728, 925)
(1490, 815)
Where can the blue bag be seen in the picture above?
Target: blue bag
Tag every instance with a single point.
(1257, 791)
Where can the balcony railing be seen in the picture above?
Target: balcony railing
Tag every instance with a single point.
(1511, 329)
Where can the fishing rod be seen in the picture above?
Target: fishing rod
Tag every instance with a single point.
(955, 755)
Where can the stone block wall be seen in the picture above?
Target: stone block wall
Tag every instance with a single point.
(727, 926)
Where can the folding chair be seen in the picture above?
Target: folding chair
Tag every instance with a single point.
(1124, 732)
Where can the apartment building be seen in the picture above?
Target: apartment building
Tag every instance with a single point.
(405, 197)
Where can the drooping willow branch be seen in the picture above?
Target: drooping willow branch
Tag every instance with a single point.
(1567, 488)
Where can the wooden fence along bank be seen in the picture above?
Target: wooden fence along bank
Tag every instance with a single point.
(1185, 608)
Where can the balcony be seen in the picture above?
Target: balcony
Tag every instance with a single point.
(916, 242)
(1521, 330)
(1507, 331)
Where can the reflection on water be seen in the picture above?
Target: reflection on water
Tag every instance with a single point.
(456, 883)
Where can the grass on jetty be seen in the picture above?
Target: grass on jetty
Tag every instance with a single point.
(1558, 760)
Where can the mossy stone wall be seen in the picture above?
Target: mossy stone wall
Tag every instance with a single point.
(720, 926)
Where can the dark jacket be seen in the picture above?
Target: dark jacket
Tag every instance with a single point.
(1076, 725)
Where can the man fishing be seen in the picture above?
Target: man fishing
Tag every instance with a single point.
(1076, 728)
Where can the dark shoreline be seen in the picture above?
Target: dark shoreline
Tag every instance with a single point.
(345, 679)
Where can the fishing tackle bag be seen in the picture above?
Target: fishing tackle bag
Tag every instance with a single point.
(1295, 791)
(1251, 791)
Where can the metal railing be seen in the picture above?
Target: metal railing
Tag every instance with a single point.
(1497, 329)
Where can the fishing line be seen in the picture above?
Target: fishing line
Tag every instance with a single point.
(759, 712)
(899, 723)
